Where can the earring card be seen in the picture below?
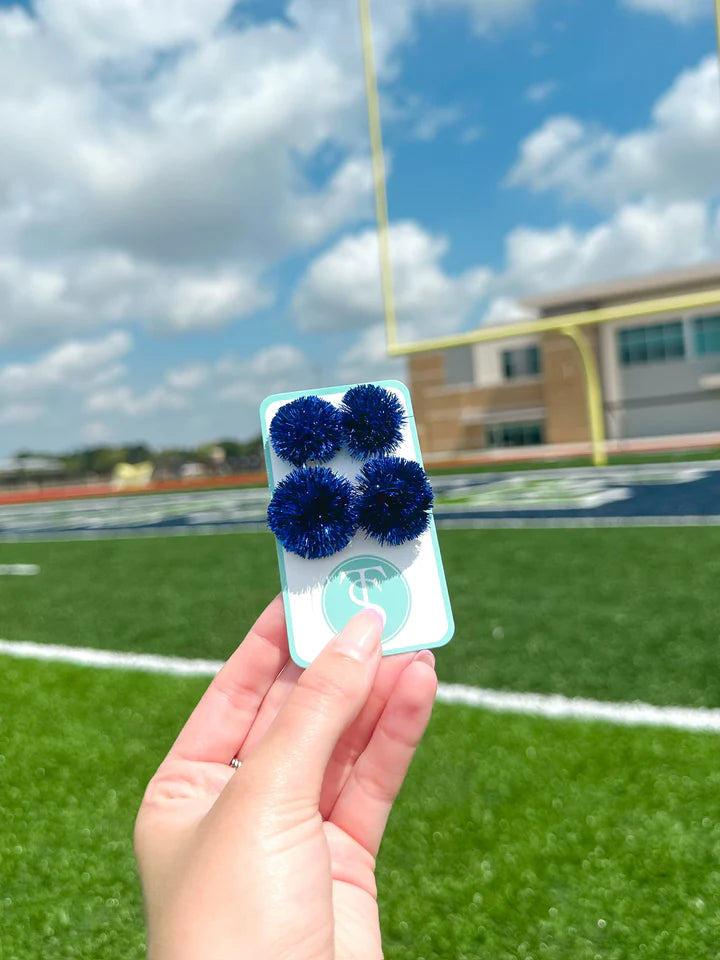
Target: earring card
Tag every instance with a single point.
(407, 581)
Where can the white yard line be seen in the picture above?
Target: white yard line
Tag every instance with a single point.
(553, 706)
(442, 522)
(110, 659)
(19, 569)
(557, 707)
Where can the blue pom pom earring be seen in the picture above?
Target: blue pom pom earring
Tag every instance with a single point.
(395, 499)
(306, 429)
(372, 420)
(313, 512)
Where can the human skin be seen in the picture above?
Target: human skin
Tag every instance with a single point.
(276, 860)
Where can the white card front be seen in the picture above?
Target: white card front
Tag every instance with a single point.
(406, 581)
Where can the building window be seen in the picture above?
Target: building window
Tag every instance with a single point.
(521, 362)
(459, 366)
(656, 343)
(707, 335)
(516, 435)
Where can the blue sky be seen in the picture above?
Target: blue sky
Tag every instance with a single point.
(185, 199)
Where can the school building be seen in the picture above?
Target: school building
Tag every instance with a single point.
(660, 377)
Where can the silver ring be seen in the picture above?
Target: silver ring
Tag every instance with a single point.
(235, 763)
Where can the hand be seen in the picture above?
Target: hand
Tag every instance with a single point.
(276, 860)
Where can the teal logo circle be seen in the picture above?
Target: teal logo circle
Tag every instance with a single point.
(364, 582)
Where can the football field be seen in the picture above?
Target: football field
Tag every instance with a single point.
(515, 836)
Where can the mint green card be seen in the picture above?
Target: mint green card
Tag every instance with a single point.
(406, 581)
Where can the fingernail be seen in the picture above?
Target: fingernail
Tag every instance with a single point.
(379, 613)
(361, 637)
(426, 656)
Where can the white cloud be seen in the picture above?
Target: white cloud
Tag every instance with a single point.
(78, 292)
(281, 367)
(75, 365)
(661, 219)
(540, 92)
(681, 11)
(198, 402)
(20, 412)
(189, 377)
(418, 118)
(505, 309)
(91, 367)
(341, 288)
(97, 432)
(434, 120)
(368, 359)
(115, 29)
(145, 179)
(486, 15)
(676, 157)
(123, 400)
(188, 404)
(160, 190)
(556, 155)
(472, 134)
(209, 301)
(639, 238)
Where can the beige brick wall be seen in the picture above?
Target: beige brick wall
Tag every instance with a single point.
(565, 396)
(447, 416)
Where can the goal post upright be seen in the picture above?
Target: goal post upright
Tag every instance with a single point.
(570, 325)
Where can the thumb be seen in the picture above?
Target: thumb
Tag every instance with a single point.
(294, 755)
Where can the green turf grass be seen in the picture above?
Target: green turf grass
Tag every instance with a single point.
(618, 614)
(526, 838)
(513, 837)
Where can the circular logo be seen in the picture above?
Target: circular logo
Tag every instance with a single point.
(366, 582)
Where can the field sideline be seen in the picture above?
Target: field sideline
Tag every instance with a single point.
(515, 836)
(553, 706)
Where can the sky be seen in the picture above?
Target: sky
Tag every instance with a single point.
(186, 210)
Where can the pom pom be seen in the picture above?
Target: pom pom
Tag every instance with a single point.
(372, 419)
(308, 428)
(313, 512)
(395, 500)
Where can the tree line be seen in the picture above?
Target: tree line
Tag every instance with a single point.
(225, 455)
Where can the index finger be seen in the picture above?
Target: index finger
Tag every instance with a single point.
(222, 719)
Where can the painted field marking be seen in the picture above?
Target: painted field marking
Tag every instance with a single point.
(492, 495)
(442, 522)
(551, 706)
(19, 569)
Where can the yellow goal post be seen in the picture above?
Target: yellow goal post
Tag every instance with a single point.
(569, 324)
